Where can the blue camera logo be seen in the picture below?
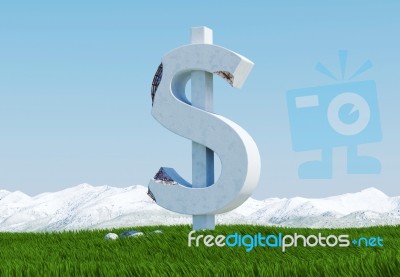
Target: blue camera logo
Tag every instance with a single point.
(336, 115)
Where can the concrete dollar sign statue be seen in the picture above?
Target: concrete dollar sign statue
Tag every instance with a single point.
(240, 160)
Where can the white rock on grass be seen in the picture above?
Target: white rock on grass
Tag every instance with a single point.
(131, 233)
(111, 236)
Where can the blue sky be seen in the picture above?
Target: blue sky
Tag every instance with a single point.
(75, 81)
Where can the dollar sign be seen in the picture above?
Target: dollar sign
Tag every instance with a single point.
(240, 159)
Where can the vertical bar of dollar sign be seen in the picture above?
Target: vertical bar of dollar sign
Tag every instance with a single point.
(202, 156)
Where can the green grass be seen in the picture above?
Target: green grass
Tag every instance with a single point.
(87, 253)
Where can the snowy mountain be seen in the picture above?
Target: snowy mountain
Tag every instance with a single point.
(89, 207)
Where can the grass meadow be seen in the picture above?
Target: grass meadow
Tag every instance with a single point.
(87, 253)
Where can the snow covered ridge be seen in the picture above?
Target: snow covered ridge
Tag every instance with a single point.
(89, 207)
